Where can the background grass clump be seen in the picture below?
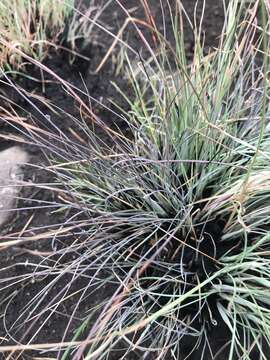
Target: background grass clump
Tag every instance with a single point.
(31, 26)
(176, 216)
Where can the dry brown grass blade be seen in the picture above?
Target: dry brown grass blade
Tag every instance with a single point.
(70, 91)
(42, 236)
(14, 348)
(13, 137)
(150, 20)
(118, 37)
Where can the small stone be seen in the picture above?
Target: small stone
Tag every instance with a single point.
(11, 161)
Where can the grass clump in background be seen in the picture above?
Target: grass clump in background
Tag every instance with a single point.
(177, 215)
(31, 26)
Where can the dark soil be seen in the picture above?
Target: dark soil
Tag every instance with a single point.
(16, 261)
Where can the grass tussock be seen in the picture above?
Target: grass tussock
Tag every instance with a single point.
(177, 215)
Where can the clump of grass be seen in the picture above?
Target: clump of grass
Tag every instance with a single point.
(181, 212)
(178, 214)
(31, 26)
